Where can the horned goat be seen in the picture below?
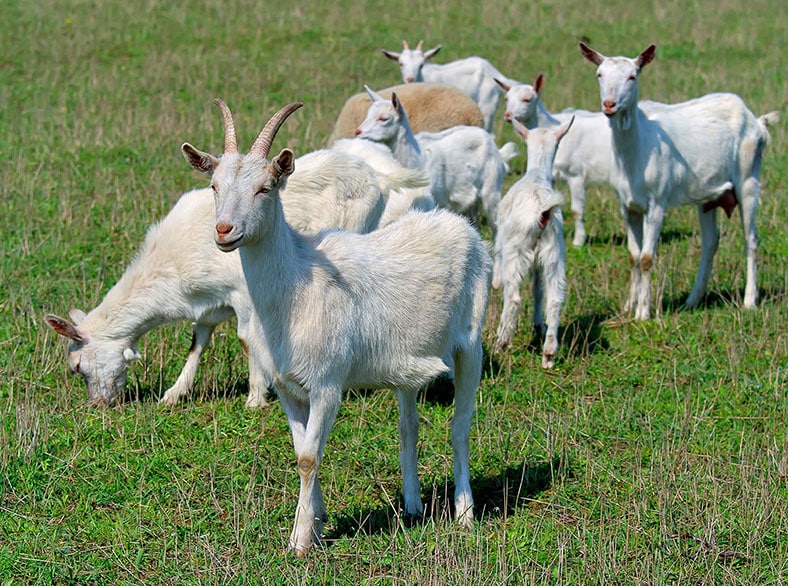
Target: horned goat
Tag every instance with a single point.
(465, 166)
(433, 107)
(707, 152)
(178, 273)
(530, 239)
(394, 308)
(473, 75)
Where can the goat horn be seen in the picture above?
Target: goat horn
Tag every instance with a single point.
(418, 47)
(230, 142)
(262, 143)
(405, 45)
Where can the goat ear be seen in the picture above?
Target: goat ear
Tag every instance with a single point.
(283, 164)
(646, 56)
(593, 56)
(77, 316)
(203, 162)
(561, 132)
(396, 103)
(432, 52)
(131, 354)
(503, 85)
(64, 328)
(373, 95)
(520, 128)
(393, 55)
(539, 83)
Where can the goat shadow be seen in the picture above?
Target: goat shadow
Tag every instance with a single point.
(498, 496)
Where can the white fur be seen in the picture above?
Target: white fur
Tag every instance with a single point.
(380, 158)
(701, 152)
(475, 76)
(394, 309)
(178, 273)
(531, 240)
(465, 166)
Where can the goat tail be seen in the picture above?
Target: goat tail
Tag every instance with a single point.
(403, 179)
(767, 120)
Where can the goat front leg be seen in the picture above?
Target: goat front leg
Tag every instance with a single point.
(652, 227)
(316, 421)
(709, 241)
(634, 224)
(201, 339)
(408, 456)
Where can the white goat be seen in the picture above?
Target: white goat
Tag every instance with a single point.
(531, 240)
(433, 107)
(393, 308)
(706, 152)
(380, 158)
(473, 75)
(178, 273)
(465, 166)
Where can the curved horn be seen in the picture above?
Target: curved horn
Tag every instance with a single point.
(262, 143)
(230, 142)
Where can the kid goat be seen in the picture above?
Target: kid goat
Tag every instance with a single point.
(705, 152)
(394, 308)
(531, 239)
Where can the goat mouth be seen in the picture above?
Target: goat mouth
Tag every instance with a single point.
(229, 245)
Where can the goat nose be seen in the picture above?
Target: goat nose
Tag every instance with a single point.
(409, 80)
(609, 105)
(507, 116)
(223, 229)
(357, 131)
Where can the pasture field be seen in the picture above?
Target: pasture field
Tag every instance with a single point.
(654, 453)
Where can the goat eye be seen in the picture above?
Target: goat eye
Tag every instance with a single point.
(632, 77)
(526, 100)
(263, 190)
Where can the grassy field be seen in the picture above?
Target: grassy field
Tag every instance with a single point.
(654, 453)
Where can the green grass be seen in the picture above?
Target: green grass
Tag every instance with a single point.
(654, 453)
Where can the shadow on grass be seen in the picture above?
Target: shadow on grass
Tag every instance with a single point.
(719, 298)
(494, 497)
(135, 393)
(620, 238)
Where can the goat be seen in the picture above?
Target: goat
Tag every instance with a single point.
(707, 152)
(465, 166)
(473, 75)
(178, 274)
(393, 308)
(531, 240)
(433, 107)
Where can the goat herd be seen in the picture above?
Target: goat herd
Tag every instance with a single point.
(348, 268)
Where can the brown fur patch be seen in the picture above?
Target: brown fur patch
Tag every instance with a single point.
(646, 262)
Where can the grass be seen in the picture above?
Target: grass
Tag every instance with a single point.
(654, 453)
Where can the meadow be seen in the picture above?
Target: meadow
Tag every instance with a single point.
(654, 453)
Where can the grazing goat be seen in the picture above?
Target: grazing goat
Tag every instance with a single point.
(394, 308)
(433, 107)
(473, 75)
(178, 274)
(465, 166)
(531, 240)
(707, 152)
